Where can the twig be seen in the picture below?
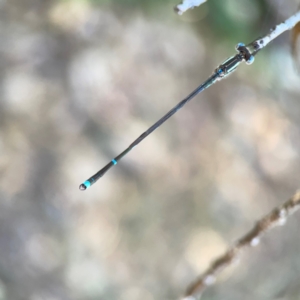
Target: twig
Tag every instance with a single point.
(276, 217)
(288, 24)
(187, 4)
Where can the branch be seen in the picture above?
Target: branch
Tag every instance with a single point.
(187, 4)
(277, 217)
(288, 24)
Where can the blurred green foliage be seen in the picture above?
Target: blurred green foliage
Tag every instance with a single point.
(229, 20)
(129, 5)
(237, 18)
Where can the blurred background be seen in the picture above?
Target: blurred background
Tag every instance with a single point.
(80, 80)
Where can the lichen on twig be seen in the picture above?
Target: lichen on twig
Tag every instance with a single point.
(187, 4)
(288, 24)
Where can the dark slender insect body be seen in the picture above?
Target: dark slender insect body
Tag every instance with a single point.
(226, 68)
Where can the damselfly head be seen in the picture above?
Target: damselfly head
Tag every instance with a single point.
(245, 52)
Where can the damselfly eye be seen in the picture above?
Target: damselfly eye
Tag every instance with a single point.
(238, 46)
(250, 60)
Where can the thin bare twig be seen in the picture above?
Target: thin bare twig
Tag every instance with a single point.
(276, 217)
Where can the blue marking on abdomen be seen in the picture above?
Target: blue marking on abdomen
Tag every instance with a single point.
(114, 161)
(87, 184)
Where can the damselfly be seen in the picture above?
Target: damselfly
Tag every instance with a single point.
(245, 53)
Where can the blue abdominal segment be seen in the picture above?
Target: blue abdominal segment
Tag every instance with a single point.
(87, 184)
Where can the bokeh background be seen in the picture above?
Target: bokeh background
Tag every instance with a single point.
(80, 80)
